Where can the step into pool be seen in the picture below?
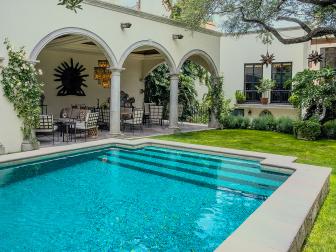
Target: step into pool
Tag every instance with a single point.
(125, 199)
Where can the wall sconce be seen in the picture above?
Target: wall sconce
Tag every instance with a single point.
(178, 36)
(125, 26)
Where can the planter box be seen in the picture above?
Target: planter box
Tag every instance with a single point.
(28, 146)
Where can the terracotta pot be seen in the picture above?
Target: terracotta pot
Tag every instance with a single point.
(264, 101)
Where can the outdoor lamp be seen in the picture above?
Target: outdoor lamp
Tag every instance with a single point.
(178, 36)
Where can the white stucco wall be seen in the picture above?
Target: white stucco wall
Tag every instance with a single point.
(10, 132)
(247, 49)
(36, 24)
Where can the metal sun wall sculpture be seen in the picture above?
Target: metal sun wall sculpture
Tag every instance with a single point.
(315, 57)
(71, 77)
(267, 59)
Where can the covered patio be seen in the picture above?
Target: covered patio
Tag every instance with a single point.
(84, 91)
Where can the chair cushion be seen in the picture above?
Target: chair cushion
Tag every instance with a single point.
(82, 114)
(75, 113)
(80, 124)
(132, 122)
(46, 130)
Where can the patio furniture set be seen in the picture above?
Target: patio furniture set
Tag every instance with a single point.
(83, 121)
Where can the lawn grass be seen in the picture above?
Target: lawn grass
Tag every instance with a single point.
(322, 153)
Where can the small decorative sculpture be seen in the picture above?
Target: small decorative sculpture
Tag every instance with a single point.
(72, 79)
(315, 57)
(267, 59)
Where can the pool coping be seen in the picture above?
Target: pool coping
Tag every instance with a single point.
(281, 223)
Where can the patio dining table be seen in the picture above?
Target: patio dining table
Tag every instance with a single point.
(67, 128)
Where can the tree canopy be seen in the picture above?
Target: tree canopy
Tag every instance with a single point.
(315, 91)
(315, 18)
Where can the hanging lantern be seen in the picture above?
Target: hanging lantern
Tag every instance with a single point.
(103, 74)
(315, 57)
(267, 59)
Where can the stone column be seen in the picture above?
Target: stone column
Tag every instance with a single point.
(173, 103)
(115, 102)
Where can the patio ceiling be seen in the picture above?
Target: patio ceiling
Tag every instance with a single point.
(78, 43)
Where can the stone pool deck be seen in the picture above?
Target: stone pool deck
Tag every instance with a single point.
(280, 224)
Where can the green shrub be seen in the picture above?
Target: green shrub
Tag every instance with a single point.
(329, 129)
(264, 123)
(284, 125)
(228, 122)
(234, 122)
(243, 122)
(307, 130)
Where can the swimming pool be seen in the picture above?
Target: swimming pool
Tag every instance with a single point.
(122, 199)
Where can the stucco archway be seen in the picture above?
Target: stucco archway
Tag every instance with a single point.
(202, 58)
(161, 49)
(74, 31)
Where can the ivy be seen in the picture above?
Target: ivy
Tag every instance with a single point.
(72, 5)
(22, 88)
(215, 100)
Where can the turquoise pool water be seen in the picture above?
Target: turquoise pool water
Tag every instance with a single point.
(117, 199)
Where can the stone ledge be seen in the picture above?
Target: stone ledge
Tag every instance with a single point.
(265, 106)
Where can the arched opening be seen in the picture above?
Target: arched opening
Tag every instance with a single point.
(201, 68)
(138, 60)
(265, 112)
(149, 48)
(76, 73)
(191, 91)
(106, 50)
(201, 58)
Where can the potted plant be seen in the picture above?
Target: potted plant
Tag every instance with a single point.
(263, 87)
(240, 97)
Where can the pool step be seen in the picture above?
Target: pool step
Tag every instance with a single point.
(205, 165)
(199, 170)
(228, 160)
(159, 169)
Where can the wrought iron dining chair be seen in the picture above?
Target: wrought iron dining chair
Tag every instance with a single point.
(135, 121)
(180, 114)
(156, 114)
(147, 111)
(90, 123)
(47, 126)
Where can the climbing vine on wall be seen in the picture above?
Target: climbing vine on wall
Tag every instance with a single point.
(215, 100)
(19, 80)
